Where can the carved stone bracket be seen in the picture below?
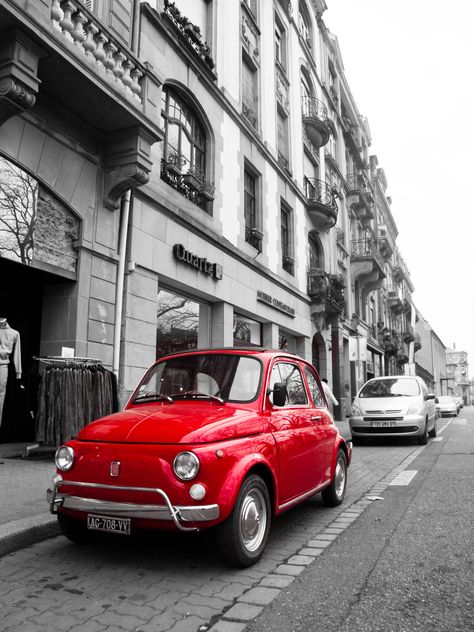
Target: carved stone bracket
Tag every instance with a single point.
(128, 163)
(19, 83)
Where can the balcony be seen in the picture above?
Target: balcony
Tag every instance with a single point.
(187, 181)
(395, 302)
(320, 203)
(326, 292)
(360, 198)
(390, 341)
(59, 55)
(315, 121)
(367, 262)
(408, 335)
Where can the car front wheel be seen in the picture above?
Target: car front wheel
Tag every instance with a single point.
(74, 530)
(241, 539)
(433, 432)
(423, 439)
(333, 495)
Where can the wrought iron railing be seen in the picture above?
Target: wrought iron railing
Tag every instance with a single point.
(366, 248)
(320, 191)
(314, 108)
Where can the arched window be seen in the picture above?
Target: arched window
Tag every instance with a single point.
(184, 148)
(304, 24)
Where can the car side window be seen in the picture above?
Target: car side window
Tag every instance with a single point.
(314, 389)
(291, 375)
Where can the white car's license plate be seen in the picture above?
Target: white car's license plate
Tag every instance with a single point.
(108, 523)
(382, 424)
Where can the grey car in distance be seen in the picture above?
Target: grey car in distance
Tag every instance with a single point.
(394, 406)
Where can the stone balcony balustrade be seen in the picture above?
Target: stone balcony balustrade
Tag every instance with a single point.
(80, 27)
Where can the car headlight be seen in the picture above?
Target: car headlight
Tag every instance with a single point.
(186, 466)
(414, 410)
(64, 458)
(355, 411)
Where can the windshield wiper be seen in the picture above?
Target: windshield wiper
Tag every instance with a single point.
(153, 396)
(197, 395)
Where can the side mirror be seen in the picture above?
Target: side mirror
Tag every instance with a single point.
(280, 394)
(430, 396)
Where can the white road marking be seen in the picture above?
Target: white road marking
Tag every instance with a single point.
(404, 478)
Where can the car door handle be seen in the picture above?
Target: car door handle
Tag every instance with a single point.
(315, 418)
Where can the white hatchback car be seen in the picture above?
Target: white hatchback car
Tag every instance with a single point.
(394, 406)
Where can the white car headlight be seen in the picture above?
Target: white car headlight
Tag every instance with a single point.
(186, 466)
(414, 410)
(355, 411)
(64, 458)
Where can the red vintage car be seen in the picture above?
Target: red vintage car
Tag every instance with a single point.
(221, 438)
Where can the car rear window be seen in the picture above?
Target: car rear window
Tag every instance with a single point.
(390, 387)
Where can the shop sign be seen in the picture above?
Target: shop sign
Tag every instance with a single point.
(274, 302)
(201, 264)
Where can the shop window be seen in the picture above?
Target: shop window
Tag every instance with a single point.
(247, 332)
(184, 149)
(36, 229)
(253, 234)
(178, 323)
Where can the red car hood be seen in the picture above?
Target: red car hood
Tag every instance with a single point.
(180, 422)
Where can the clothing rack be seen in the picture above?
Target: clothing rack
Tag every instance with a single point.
(51, 358)
(72, 392)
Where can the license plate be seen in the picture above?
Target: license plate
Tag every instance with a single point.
(382, 424)
(109, 524)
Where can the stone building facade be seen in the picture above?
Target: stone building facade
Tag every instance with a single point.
(198, 175)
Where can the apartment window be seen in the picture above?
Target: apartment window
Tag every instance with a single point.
(282, 138)
(249, 91)
(304, 23)
(184, 149)
(315, 253)
(253, 235)
(280, 43)
(286, 230)
(252, 7)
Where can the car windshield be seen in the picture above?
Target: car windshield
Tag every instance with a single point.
(218, 376)
(390, 387)
(445, 399)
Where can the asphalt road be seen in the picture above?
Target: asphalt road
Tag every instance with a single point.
(406, 564)
(401, 563)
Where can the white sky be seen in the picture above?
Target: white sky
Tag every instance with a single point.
(410, 67)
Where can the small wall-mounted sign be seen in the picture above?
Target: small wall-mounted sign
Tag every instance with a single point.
(201, 264)
(274, 302)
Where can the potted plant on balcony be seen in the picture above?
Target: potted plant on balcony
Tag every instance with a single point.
(174, 162)
(192, 179)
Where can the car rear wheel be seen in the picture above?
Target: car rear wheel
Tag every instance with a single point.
(74, 530)
(334, 494)
(241, 539)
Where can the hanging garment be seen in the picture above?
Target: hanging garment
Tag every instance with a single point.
(10, 349)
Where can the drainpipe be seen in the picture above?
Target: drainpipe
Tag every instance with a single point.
(122, 252)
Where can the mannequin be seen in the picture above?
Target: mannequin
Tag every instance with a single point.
(10, 348)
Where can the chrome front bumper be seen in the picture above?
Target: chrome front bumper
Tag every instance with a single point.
(168, 511)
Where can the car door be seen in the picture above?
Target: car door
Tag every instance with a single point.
(323, 426)
(294, 431)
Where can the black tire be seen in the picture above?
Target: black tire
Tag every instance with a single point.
(333, 495)
(74, 530)
(241, 539)
(433, 432)
(423, 439)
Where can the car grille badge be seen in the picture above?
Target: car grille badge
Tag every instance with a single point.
(114, 468)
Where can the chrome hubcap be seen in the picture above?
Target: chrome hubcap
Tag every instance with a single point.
(340, 477)
(253, 519)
